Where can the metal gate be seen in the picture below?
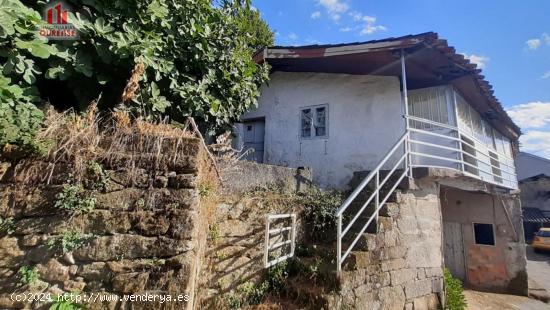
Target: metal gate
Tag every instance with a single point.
(281, 237)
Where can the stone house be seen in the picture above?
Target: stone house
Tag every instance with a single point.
(413, 131)
(534, 182)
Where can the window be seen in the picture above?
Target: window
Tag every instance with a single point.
(313, 121)
(484, 234)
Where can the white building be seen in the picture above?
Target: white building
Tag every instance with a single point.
(339, 109)
(408, 116)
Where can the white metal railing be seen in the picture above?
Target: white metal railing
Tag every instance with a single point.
(457, 149)
(374, 175)
(283, 236)
(450, 148)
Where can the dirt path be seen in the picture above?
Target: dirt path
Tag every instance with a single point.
(489, 301)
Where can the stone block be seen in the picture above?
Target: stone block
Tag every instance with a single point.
(402, 276)
(418, 288)
(110, 248)
(182, 181)
(11, 255)
(392, 297)
(393, 264)
(53, 271)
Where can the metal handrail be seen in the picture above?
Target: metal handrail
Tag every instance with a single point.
(404, 159)
(506, 170)
(369, 177)
(455, 128)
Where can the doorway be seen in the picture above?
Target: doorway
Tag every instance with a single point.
(453, 241)
(254, 132)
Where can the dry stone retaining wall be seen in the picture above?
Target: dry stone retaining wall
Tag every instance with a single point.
(145, 234)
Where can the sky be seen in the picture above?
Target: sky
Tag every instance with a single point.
(509, 40)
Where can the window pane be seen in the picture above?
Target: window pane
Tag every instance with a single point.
(320, 122)
(483, 234)
(430, 104)
(306, 123)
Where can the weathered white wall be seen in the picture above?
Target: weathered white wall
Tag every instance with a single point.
(364, 121)
(529, 165)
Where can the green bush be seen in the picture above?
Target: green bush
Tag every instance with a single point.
(74, 198)
(68, 241)
(27, 275)
(454, 294)
(7, 225)
(320, 212)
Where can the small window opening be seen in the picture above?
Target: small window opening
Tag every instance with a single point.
(484, 234)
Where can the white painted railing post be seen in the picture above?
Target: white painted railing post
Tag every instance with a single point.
(377, 199)
(293, 236)
(339, 243)
(266, 251)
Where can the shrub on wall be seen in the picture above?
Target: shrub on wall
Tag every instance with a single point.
(320, 212)
(454, 294)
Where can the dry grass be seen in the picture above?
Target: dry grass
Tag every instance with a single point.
(80, 139)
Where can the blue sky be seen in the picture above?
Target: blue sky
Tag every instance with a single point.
(510, 40)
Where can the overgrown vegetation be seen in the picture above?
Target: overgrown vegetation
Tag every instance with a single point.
(27, 275)
(454, 293)
(248, 293)
(97, 178)
(159, 57)
(7, 225)
(74, 198)
(320, 209)
(68, 241)
(63, 302)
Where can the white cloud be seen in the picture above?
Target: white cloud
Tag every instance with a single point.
(345, 29)
(534, 119)
(536, 142)
(533, 44)
(315, 15)
(357, 16)
(292, 36)
(546, 38)
(369, 19)
(531, 115)
(479, 60)
(546, 75)
(370, 29)
(334, 6)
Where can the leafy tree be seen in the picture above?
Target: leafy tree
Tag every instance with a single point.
(188, 57)
(250, 24)
(20, 49)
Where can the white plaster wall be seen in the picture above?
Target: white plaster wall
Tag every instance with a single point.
(365, 120)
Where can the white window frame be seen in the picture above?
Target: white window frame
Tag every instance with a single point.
(312, 135)
(492, 228)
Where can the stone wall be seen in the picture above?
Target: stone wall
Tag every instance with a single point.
(246, 175)
(145, 234)
(235, 253)
(401, 267)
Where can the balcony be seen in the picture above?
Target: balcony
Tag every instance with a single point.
(446, 132)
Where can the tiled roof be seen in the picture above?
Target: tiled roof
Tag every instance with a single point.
(534, 215)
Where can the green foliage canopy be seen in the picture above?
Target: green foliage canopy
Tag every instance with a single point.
(197, 59)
